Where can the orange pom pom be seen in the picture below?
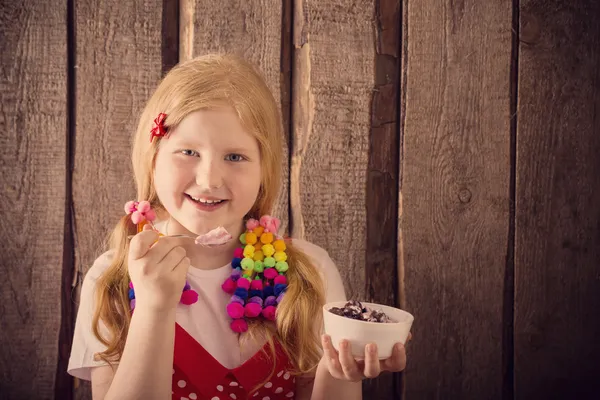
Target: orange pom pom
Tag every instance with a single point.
(251, 238)
(279, 245)
(266, 238)
(258, 230)
(258, 246)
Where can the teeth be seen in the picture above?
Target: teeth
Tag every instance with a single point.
(205, 201)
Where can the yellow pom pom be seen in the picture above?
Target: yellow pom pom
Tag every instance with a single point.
(250, 238)
(249, 251)
(266, 238)
(258, 230)
(258, 255)
(268, 250)
(280, 256)
(279, 245)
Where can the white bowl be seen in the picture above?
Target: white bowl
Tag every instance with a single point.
(360, 333)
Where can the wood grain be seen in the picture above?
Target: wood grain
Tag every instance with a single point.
(33, 118)
(381, 275)
(118, 66)
(252, 30)
(455, 195)
(557, 254)
(332, 91)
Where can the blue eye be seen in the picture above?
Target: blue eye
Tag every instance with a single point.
(189, 153)
(234, 157)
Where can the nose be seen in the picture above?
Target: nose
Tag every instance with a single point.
(209, 174)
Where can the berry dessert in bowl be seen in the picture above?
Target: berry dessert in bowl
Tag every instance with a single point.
(364, 323)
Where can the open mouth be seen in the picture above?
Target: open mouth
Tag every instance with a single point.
(205, 203)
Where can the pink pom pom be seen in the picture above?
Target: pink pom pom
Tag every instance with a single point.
(130, 284)
(243, 283)
(229, 286)
(269, 313)
(235, 310)
(256, 285)
(251, 224)
(137, 217)
(189, 297)
(280, 279)
(270, 273)
(252, 310)
(143, 206)
(239, 326)
(150, 215)
(129, 207)
(238, 253)
(132, 304)
(265, 220)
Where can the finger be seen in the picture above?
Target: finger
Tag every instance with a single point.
(349, 365)
(164, 247)
(332, 358)
(141, 243)
(397, 361)
(173, 258)
(184, 263)
(372, 367)
(147, 227)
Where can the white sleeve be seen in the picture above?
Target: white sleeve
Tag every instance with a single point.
(85, 344)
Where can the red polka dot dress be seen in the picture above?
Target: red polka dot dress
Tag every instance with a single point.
(198, 376)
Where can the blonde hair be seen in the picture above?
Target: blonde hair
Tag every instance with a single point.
(209, 82)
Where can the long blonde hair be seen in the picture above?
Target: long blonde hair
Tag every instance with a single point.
(203, 83)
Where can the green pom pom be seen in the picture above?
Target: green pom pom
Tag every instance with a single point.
(247, 264)
(269, 262)
(259, 266)
(281, 266)
(243, 238)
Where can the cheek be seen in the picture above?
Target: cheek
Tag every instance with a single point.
(167, 175)
(245, 184)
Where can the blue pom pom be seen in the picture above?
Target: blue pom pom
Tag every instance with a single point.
(256, 292)
(268, 291)
(131, 294)
(241, 293)
(279, 288)
(236, 263)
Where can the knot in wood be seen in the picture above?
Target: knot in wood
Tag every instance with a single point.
(464, 195)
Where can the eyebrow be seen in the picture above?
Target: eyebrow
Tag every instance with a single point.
(185, 143)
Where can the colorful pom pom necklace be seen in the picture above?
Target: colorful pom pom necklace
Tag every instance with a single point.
(257, 283)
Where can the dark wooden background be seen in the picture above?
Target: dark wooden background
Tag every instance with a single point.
(445, 152)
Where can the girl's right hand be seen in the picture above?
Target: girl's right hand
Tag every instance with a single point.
(158, 269)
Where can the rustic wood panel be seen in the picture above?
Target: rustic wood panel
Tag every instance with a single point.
(254, 31)
(454, 213)
(33, 120)
(382, 180)
(557, 254)
(118, 66)
(332, 89)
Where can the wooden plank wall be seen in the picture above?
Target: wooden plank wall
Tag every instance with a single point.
(557, 241)
(455, 194)
(445, 153)
(33, 154)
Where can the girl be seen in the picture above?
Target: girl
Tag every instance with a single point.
(206, 154)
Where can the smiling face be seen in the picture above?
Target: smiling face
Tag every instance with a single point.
(207, 172)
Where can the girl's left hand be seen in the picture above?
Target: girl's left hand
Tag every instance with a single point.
(342, 365)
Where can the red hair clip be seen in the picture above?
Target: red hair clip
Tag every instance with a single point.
(158, 130)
